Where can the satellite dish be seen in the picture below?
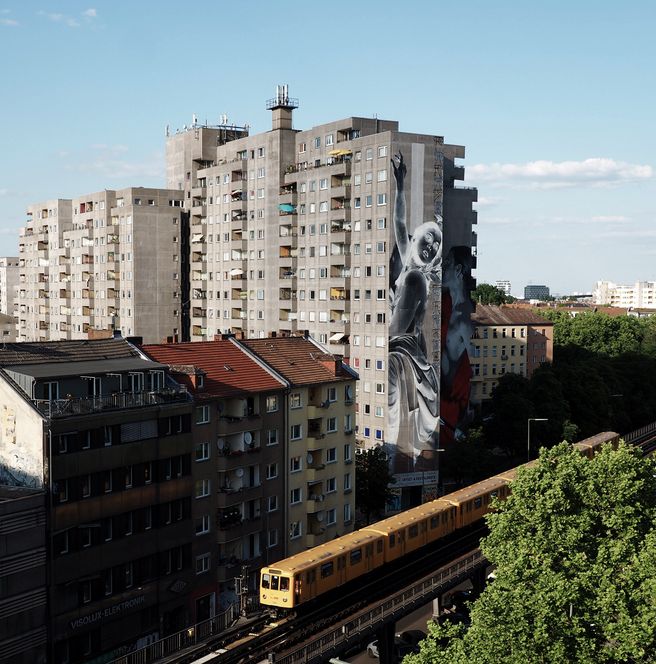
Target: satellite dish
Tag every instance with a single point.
(320, 517)
(220, 443)
(239, 472)
(309, 458)
(248, 437)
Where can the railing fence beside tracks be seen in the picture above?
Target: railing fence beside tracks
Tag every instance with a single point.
(422, 591)
(175, 643)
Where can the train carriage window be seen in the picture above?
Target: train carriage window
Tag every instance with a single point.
(266, 579)
(478, 502)
(392, 540)
(327, 569)
(435, 521)
(379, 546)
(284, 583)
(356, 556)
(369, 551)
(413, 531)
(493, 494)
(274, 582)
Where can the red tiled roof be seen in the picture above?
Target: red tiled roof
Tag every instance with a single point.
(228, 368)
(488, 314)
(299, 360)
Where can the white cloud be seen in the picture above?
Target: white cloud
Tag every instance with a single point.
(9, 22)
(543, 174)
(111, 161)
(90, 13)
(610, 219)
(69, 21)
(487, 202)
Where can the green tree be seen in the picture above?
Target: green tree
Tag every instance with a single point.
(372, 480)
(488, 294)
(575, 552)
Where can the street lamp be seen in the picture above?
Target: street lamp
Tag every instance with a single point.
(528, 439)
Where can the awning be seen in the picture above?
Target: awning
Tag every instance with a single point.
(286, 207)
(339, 153)
(197, 237)
(338, 336)
(235, 271)
(236, 191)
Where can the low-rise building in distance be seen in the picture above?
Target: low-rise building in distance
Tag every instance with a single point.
(506, 340)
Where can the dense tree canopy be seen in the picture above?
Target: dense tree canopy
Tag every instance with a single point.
(372, 480)
(575, 550)
(488, 294)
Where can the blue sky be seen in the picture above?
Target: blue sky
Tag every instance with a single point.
(554, 102)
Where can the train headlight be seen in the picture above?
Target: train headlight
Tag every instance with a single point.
(284, 599)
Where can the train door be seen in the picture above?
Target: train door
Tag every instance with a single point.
(310, 587)
(369, 563)
(341, 569)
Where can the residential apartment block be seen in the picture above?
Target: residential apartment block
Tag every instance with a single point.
(103, 261)
(506, 340)
(642, 294)
(294, 230)
(9, 273)
(536, 292)
(505, 286)
(107, 434)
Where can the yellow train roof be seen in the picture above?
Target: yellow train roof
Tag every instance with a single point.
(407, 518)
(473, 491)
(318, 554)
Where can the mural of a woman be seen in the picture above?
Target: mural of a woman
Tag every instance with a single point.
(413, 398)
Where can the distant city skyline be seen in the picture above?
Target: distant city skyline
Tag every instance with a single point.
(557, 125)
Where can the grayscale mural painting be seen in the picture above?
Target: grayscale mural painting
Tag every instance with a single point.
(414, 334)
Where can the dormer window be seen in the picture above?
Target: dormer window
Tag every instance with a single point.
(200, 380)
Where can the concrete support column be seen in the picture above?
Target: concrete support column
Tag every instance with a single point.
(385, 636)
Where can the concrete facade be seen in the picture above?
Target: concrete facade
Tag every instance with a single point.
(99, 262)
(9, 273)
(642, 294)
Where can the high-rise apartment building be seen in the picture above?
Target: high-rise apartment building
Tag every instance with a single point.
(642, 294)
(103, 261)
(8, 284)
(536, 292)
(340, 230)
(504, 285)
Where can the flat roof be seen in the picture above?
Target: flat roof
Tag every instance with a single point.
(60, 369)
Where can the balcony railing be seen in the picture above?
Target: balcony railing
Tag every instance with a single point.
(119, 401)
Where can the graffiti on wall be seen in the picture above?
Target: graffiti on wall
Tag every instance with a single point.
(457, 308)
(413, 379)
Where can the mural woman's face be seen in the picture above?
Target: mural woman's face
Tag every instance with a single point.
(428, 246)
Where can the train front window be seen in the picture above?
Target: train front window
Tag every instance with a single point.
(266, 580)
(284, 583)
(274, 582)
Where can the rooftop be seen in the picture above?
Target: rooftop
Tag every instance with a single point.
(299, 360)
(227, 368)
(488, 314)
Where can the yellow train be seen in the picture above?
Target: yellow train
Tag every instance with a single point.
(308, 575)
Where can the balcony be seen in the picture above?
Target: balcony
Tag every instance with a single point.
(120, 401)
(228, 426)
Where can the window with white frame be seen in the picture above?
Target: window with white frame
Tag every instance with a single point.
(347, 482)
(295, 464)
(295, 496)
(272, 538)
(202, 414)
(203, 563)
(202, 524)
(202, 451)
(331, 517)
(272, 403)
(272, 471)
(272, 437)
(202, 488)
(296, 432)
(331, 455)
(347, 513)
(272, 503)
(295, 530)
(331, 425)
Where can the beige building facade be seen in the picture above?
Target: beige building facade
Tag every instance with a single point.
(506, 340)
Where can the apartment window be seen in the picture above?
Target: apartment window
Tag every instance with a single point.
(129, 575)
(272, 471)
(202, 451)
(382, 175)
(202, 488)
(380, 388)
(331, 455)
(295, 464)
(347, 512)
(108, 529)
(378, 411)
(381, 223)
(347, 482)
(108, 582)
(272, 437)
(296, 432)
(381, 199)
(85, 588)
(272, 503)
(332, 394)
(357, 202)
(148, 518)
(202, 524)
(295, 496)
(272, 538)
(85, 537)
(86, 486)
(202, 414)
(203, 563)
(295, 530)
(368, 200)
(369, 154)
(317, 142)
(107, 481)
(272, 404)
(331, 425)
(323, 183)
(148, 472)
(331, 517)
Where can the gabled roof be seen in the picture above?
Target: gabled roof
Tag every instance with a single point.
(299, 360)
(488, 314)
(228, 369)
(53, 352)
